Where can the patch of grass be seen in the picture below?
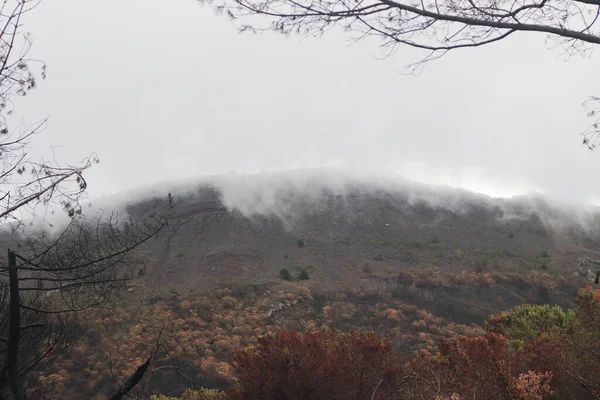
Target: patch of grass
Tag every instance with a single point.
(376, 243)
(437, 246)
(257, 287)
(545, 254)
(509, 253)
(412, 244)
(458, 253)
(172, 289)
(527, 265)
(345, 240)
(396, 244)
(491, 254)
(493, 258)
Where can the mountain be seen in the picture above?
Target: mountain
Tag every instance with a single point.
(246, 229)
(416, 264)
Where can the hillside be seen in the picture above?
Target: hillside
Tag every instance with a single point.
(414, 263)
(210, 242)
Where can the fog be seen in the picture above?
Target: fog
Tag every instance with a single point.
(292, 195)
(166, 91)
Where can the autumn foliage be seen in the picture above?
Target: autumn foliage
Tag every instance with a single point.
(551, 355)
(384, 340)
(319, 365)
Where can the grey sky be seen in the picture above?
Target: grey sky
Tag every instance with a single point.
(164, 90)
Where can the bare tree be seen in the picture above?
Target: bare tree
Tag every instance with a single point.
(27, 185)
(591, 137)
(434, 27)
(53, 276)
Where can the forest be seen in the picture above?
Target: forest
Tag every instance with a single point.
(282, 340)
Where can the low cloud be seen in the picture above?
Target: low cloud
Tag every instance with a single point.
(292, 194)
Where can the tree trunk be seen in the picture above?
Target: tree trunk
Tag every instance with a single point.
(132, 381)
(14, 330)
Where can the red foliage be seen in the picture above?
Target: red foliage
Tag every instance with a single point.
(483, 364)
(325, 365)
(319, 365)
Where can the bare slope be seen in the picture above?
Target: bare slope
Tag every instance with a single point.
(213, 240)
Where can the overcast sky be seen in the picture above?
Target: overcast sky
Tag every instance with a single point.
(164, 89)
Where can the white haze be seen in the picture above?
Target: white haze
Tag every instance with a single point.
(279, 194)
(166, 91)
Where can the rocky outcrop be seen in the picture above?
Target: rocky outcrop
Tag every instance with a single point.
(587, 268)
(282, 305)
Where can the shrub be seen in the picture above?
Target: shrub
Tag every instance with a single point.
(403, 293)
(172, 289)
(300, 243)
(312, 367)
(527, 321)
(303, 275)
(545, 254)
(412, 244)
(285, 274)
(530, 353)
(480, 266)
(366, 267)
(379, 257)
(201, 394)
(405, 278)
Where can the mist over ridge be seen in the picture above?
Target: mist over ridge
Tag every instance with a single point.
(288, 195)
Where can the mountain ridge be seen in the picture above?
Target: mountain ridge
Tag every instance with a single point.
(246, 227)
